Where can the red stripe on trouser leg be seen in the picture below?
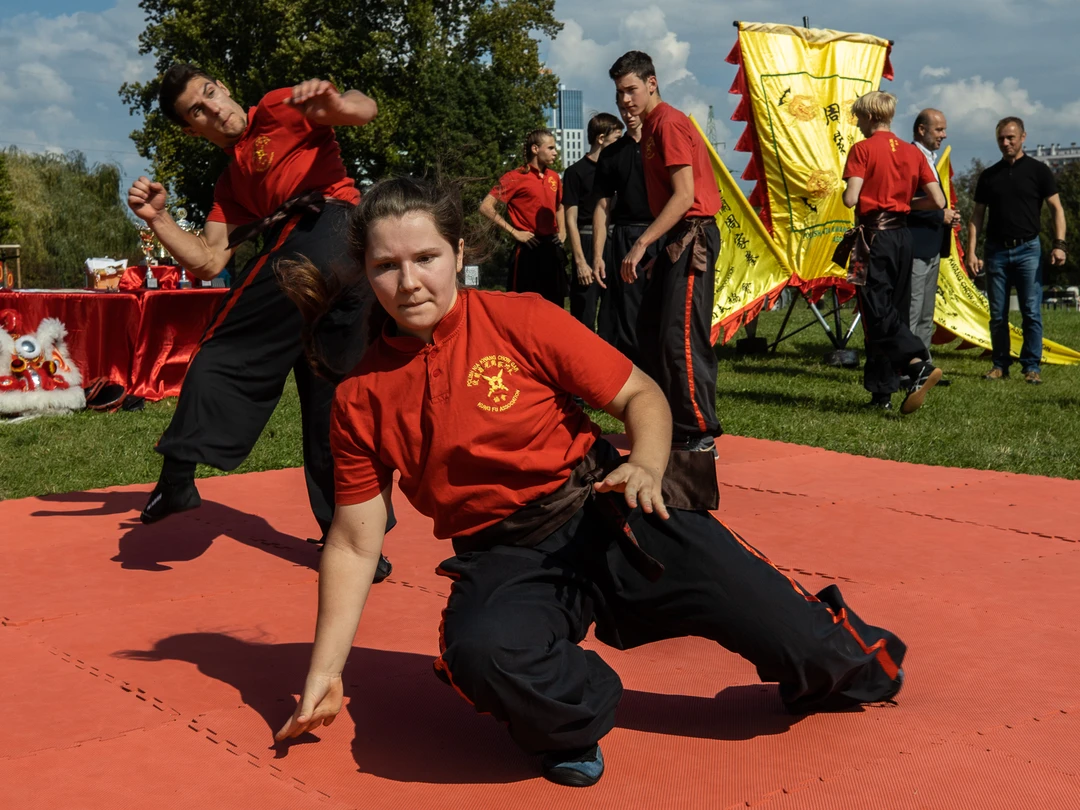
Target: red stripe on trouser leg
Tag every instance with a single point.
(877, 649)
(688, 317)
(238, 291)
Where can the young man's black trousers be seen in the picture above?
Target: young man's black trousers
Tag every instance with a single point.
(674, 332)
(252, 343)
(623, 298)
(890, 343)
(589, 302)
(539, 269)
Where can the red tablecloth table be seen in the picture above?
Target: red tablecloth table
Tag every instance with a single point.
(141, 339)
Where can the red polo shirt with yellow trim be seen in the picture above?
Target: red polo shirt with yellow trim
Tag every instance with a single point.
(669, 139)
(532, 198)
(892, 171)
(282, 154)
(480, 422)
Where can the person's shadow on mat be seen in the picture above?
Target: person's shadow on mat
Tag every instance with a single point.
(414, 728)
(184, 537)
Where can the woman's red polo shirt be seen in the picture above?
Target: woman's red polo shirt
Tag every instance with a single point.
(281, 154)
(479, 423)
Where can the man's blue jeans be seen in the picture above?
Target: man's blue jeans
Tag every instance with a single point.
(1019, 267)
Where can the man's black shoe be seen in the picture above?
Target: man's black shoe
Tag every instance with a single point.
(945, 381)
(881, 402)
(170, 497)
(384, 569)
(925, 379)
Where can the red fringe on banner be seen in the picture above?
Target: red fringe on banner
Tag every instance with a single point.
(887, 71)
(725, 330)
(748, 142)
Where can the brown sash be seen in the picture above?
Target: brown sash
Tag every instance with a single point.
(856, 244)
(689, 483)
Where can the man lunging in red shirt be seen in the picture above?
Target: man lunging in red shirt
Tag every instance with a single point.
(675, 320)
(883, 174)
(286, 182)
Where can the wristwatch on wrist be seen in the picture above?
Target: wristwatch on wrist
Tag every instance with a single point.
(1059, 244)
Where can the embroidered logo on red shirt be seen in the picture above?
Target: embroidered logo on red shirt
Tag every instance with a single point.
(552, 182)
(263, 159)
(650, 148)
(492, 375)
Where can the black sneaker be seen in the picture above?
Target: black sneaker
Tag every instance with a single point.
(926, 378)
(881, 402)
(574, 768)
(170, 497)
(384, 569)
(697, 444)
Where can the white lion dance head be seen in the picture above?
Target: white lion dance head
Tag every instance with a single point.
(37, 374)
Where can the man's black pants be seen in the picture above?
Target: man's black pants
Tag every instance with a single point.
(623, 299)
(252, 343)
(589, 302)
(890, 343)
(674, 334)
(515, 617)
(540, 269)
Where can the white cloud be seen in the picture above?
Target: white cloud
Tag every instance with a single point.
(974, 105)
(929, 72)
(60, 77)
(582, 62)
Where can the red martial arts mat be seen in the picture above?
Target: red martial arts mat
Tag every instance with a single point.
(148, 666)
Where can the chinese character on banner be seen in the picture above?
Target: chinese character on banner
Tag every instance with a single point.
(731, 222)
(751, 258)
(832, 114)
(838, 139)
(742, 241)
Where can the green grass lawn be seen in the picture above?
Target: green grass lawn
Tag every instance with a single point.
(791, 396)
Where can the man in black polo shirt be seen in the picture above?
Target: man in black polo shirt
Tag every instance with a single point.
(578, 197)
(1014, 189)
(620, 178)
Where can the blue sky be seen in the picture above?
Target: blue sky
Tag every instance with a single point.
(62, 64)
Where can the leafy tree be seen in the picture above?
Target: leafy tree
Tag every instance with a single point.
(1068, 183)
(458, 82)
(7, 201)
(66, 211)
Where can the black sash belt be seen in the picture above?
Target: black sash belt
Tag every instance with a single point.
(311, 202)
(856, 243)
(689, 483)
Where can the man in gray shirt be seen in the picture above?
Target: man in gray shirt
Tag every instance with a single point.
(930, 233)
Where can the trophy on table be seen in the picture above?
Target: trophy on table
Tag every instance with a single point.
(184, 225)
(147, 237)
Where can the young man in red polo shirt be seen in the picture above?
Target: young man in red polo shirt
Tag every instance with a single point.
(675, 320)
(883, 174)
(286, 181)
(533, 198)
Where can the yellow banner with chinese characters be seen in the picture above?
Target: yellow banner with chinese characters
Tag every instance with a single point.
(750, 270)
(801, 85)
(963, 310)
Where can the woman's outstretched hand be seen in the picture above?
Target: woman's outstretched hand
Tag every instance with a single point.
(639, 485)
(318, 706)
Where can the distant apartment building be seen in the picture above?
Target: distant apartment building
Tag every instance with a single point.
(567, 121)
(1056, 156)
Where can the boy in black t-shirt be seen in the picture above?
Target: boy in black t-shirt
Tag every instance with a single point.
(1014, 189)
(578, 197)
(622, 202)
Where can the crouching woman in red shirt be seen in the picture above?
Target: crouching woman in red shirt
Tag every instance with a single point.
(469, 395)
